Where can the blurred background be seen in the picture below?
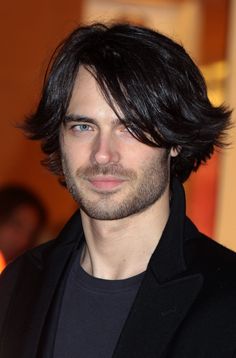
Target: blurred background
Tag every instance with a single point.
(30, 30)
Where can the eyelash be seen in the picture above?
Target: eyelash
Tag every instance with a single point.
(78, 127)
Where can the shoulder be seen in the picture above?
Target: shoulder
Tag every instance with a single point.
(209, 251)
(11, 272)
(36, 253)
(216, 262)
(216, 303)
(39, 255)
(9, 278)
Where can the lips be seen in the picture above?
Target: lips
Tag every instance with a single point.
(106, 182)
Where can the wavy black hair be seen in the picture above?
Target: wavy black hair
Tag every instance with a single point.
(150, 78)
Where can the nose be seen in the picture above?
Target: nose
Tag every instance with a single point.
(105, 150)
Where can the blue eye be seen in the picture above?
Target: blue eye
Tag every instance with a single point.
(82, 127)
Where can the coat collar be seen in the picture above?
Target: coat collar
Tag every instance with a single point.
(168, 260)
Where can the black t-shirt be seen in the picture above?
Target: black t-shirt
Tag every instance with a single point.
(92, 314)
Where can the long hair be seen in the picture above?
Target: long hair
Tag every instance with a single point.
(150, 78)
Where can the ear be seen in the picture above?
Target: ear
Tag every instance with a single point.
(175, 151)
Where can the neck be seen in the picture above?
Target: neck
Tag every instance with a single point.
(118, 249)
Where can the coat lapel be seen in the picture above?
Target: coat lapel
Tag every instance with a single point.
(167, 292)
(156, 315)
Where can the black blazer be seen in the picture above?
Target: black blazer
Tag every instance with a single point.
(185, 307)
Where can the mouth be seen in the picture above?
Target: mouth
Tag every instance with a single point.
(106, 182)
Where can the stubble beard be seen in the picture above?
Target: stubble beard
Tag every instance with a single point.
(152, 183)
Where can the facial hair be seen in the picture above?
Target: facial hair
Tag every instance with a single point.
(144, 189)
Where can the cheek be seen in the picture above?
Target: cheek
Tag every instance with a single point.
(141, 155)
(74, 156)
(141, 160)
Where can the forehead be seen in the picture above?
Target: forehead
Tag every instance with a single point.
(88, 100)
(85, 82)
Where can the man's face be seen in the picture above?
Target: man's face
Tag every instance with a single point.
(109, 173)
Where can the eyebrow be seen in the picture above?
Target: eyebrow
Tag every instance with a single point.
(80, 118)
(77, 118)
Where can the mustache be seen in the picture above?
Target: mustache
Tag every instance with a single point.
(111, 169)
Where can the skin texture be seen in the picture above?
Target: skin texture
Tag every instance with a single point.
(116, 180)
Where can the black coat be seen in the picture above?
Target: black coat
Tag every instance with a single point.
(185, 307)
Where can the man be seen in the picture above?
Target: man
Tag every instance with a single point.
(124, 118)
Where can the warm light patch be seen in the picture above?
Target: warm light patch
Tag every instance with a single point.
(2, 262)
